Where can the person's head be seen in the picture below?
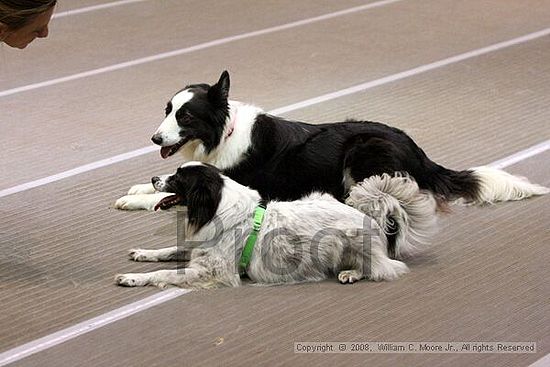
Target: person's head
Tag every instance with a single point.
(21, 21)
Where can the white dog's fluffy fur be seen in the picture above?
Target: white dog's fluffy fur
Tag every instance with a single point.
(309, 239)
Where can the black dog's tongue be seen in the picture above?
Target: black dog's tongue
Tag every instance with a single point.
(167, 202)
(165, 152)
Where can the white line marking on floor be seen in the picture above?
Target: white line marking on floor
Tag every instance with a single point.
(414, 71)
(522, 155)
(198, 47)
(49, 341)
(543, 362)
(94, 8)
(78, 170)
(289, 108)
(72, 332)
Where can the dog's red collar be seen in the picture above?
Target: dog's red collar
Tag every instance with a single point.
(231, 126)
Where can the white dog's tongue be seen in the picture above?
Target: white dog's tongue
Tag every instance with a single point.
(165, 152)
(167, 202)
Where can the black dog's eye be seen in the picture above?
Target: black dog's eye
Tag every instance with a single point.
(168, 108)
(184, 116)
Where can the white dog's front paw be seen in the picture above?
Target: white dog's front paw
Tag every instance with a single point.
(134, 202)
(142, 189)
(349, 276)
(140, 201)
(143, 255)
(132, 280)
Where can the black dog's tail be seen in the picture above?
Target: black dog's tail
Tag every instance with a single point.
(368, 156)
(480, 185)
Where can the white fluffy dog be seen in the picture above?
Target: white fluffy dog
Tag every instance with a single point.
(309, 239)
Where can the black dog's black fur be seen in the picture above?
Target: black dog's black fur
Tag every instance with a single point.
(289, 159)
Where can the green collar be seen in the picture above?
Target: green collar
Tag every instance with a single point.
(252, 238)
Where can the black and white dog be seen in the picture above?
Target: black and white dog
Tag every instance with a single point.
(287, 160)
(309, 239)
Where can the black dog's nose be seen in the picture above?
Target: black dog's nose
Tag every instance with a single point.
(154, 180)
(157, 139)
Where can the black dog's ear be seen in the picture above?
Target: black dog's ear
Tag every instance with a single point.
(203, 196)
(219, 92)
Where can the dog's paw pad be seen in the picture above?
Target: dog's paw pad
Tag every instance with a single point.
(129, 280)
(124, 203)
(141, 256)
(125, 281)
(135, 202)
(349, 276)
(141, 189)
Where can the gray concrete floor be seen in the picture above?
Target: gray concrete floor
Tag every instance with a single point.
(484, 279)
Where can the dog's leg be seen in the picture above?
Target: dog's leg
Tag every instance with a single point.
(369, 259)
(161, 278)
(140, 201)
(164, 254)
(147, 188)
(382, 267)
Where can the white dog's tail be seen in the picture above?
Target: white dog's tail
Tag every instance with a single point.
(405, 213)
(496, 185)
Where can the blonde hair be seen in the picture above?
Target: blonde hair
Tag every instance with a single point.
(17, 13)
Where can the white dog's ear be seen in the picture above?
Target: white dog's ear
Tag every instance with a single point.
(219, 92)
(202, 204)
(203, 192)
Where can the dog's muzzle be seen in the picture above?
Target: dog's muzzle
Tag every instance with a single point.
(158, 183)
(157, 139)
